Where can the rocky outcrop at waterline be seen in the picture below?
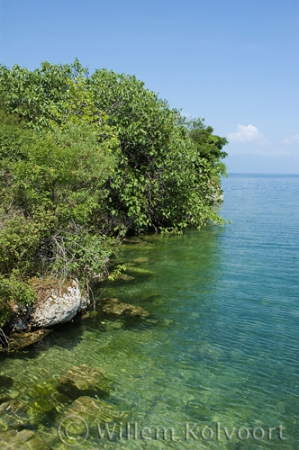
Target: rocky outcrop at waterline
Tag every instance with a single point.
(17, 341)
(58, 303)
(54, 305)
(110, 307)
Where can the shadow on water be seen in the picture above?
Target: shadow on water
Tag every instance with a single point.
(6, 384)
(66, 336)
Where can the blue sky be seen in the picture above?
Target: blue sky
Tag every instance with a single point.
(234, 63)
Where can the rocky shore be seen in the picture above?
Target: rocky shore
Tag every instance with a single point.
(56, 305)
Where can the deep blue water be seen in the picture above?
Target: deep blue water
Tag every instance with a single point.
(220, 347)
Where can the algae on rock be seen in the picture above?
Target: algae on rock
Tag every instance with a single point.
(83, 380)
(114, 307)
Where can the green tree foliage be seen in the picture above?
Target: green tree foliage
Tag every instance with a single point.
(52, 200)
(36, 96)
(84, 159)
(163, 178)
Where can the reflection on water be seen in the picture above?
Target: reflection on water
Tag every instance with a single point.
(219, 349)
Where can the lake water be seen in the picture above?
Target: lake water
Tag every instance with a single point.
(216, 363)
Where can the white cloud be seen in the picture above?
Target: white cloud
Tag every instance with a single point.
(293, 140)
(245, 134)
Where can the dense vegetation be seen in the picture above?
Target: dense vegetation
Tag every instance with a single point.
(84, 159)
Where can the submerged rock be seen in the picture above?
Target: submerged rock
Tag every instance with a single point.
(23, 440)
(17, 341)
(115, 307)
(124, 277)
(13, 414)
(140, 260)
(83, 380)
(94, 415)
(140, 270)
(87, 314)
(45, 402)
(94, 410)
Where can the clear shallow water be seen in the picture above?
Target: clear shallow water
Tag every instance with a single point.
(221, 343)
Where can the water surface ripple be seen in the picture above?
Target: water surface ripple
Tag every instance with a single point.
(220, 345)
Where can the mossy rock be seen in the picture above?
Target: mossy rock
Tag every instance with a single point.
(110, 325)
(92, 413)
(23, 440)
(94, 410)
(124, 277)
(13, 414)
(140, 260)
(83, 380)
(46, 403)
(87, 314)
(18, 341)
(112, 306)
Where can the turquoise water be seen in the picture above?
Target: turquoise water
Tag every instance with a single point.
(216, 360)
